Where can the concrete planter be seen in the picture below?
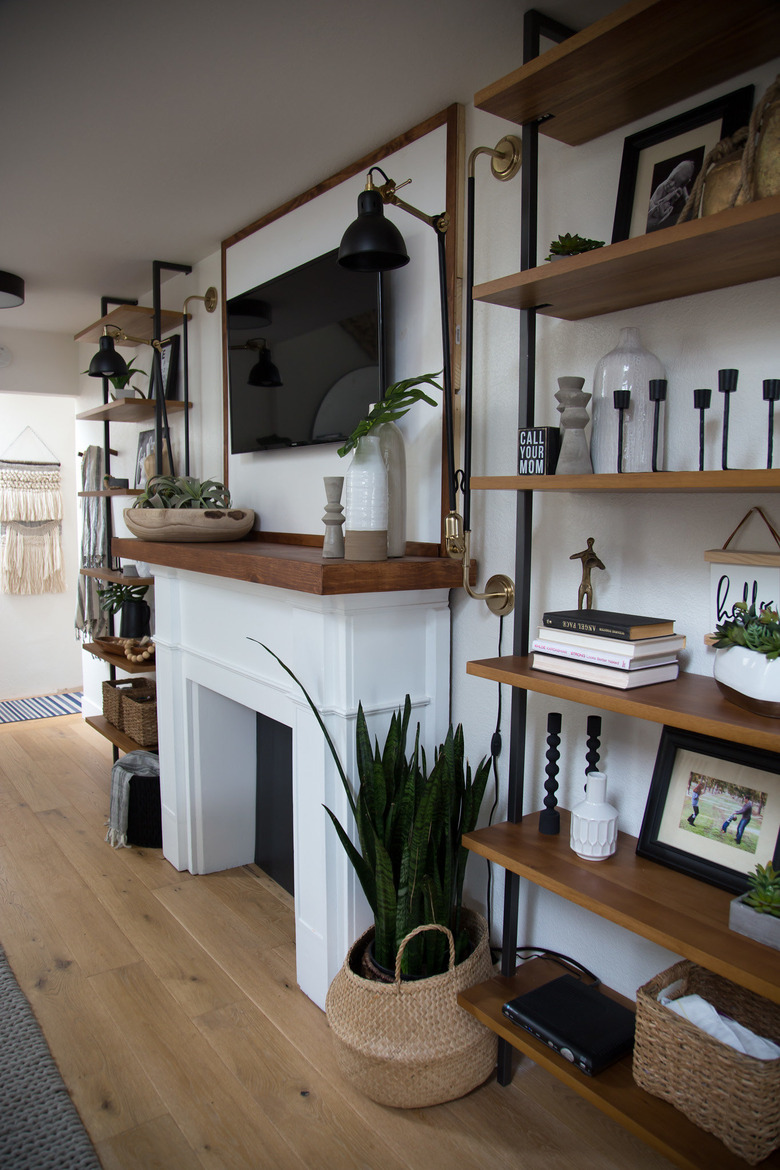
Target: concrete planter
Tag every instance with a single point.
(764, 928)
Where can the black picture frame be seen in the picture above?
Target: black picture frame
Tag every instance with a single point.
(169, 362)
(147, 446)
(650, 155)
(710, 852)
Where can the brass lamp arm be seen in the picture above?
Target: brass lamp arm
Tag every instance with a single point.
(119, 336)
(499, 594)
(389, 193)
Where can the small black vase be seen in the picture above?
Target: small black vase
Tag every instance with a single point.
(136, 618)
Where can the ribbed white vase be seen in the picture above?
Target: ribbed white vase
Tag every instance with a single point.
(593, 833)
(365, 538)
(629, 366)
(391, 443)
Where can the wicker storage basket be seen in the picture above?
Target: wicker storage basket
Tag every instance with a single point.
(734, 1096)
(113, 689)
(139, 715)
(409, 1044)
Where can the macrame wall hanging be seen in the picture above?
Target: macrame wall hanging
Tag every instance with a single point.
(30, 518)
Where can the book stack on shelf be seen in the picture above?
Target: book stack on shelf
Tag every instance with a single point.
(622, 650)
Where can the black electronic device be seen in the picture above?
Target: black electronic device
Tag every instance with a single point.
(576, 1020)
(304, 356)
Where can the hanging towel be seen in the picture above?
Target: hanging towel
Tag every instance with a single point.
(91, 621)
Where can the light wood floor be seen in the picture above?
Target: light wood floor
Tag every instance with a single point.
(170, 1005)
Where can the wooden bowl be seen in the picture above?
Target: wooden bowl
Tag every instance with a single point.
(189, 524)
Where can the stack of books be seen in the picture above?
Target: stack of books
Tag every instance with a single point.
(615, 649)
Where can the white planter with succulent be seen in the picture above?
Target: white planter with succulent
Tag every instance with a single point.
(757, 913)
(747, 662)
(183, 508)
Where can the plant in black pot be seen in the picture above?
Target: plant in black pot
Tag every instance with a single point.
(129, 599)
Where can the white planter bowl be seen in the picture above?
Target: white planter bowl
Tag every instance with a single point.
(764, 928)
(749, 680)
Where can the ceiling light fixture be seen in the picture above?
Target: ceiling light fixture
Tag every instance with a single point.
(11, 290)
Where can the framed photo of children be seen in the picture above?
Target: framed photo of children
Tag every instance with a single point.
(713, 810)
(660, 164)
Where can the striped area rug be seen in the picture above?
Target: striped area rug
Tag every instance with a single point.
(14, 710)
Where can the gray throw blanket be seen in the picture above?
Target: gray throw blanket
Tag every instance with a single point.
(91, 621)
(133, 764)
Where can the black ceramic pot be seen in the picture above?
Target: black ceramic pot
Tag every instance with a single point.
(136, 619)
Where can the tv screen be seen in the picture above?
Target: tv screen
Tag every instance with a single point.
(303, 357)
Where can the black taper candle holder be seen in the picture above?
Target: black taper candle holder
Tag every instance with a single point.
(622, 400)
(593, 754)
(701, 402)
(727, 384)
(657, 396)
(771, 395)
(549, 817)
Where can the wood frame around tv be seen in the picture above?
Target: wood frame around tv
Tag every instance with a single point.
(453, 118)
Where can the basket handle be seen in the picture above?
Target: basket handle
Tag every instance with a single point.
(410, 936)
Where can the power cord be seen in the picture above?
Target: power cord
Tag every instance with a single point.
(565, 961)
(495, 752)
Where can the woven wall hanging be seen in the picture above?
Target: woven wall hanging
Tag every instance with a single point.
(30, 518)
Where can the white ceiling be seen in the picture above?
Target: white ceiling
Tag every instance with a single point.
(155, 129)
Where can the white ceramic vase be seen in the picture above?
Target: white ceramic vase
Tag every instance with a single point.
(391, 443)
(593, 833)
(749, 679)
(629, 366)
(365, 538)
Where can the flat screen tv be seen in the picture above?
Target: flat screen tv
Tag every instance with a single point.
(304, 356)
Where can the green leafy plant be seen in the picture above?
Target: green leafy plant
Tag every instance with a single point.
(121, 381)
(115, 595)
(764, 893)
(410, 859)
(182, 491)
(568, 245)
(396, 403)
(754, 628)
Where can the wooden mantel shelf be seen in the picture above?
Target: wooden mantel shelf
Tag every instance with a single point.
(293, 566)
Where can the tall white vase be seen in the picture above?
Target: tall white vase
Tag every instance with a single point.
(593, 833)
(629, 366)
(391, 443)
(365, 538)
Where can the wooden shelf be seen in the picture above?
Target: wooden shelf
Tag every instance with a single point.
(613, 1091)
(116, 576)
(676, 911)
(115, 492)
(692, 701)
(100, 724)
(750, 480)
(129, 410)
(645, 56)
(736, 246)
(119, 662)
(134, 319)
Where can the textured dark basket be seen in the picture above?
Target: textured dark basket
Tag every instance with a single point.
(139, 715)
(734, 1096)
(144, 812)
(113, 689)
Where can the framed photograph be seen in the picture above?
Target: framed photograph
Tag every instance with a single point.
(713, 810)
(660, 164)
(146, 447)
(169, 361)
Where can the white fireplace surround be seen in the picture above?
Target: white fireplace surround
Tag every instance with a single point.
(212, 679)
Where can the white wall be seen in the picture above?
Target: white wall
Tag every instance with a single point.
(40, 652)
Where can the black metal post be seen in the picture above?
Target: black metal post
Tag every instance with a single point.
(771, 395)
(160, 412)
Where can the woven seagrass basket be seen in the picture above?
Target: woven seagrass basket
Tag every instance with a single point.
(734, 1096)
(139, 715)
(409, 1044)
(113, 689)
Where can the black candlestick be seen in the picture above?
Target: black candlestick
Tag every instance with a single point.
(549, 817)
(771, 395)
(701, 402)
(621, 399)
(657, 395)
(592, 755)
(727, 384)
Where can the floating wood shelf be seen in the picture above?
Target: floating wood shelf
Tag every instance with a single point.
(119, 662)
(736, 246)
(100, 724)
(115, 492)
(134, 319)
(116, 576)
(613, 1091)
(641, 58)
(129, 410)
(756, 480)
(692, 701)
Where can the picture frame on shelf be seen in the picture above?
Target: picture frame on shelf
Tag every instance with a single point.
(146, 449)
(169, 363)
(694, 815)
(661, 162)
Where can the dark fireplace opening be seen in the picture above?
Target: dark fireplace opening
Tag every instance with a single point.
(274, 816)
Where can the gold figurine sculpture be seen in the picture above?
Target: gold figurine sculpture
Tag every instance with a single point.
(590, 561)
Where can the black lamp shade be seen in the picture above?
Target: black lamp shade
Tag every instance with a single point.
(107, 363)
(372, 243)
(11, 290)
(264, 373)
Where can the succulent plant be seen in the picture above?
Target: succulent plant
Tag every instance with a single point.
(569, 245)
(115, 595)
(754, 628)
(183, 491)
(397, 400)
(764, 893)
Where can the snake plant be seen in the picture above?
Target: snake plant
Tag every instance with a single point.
(754, 628)
(410, 821)
(183, 491)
